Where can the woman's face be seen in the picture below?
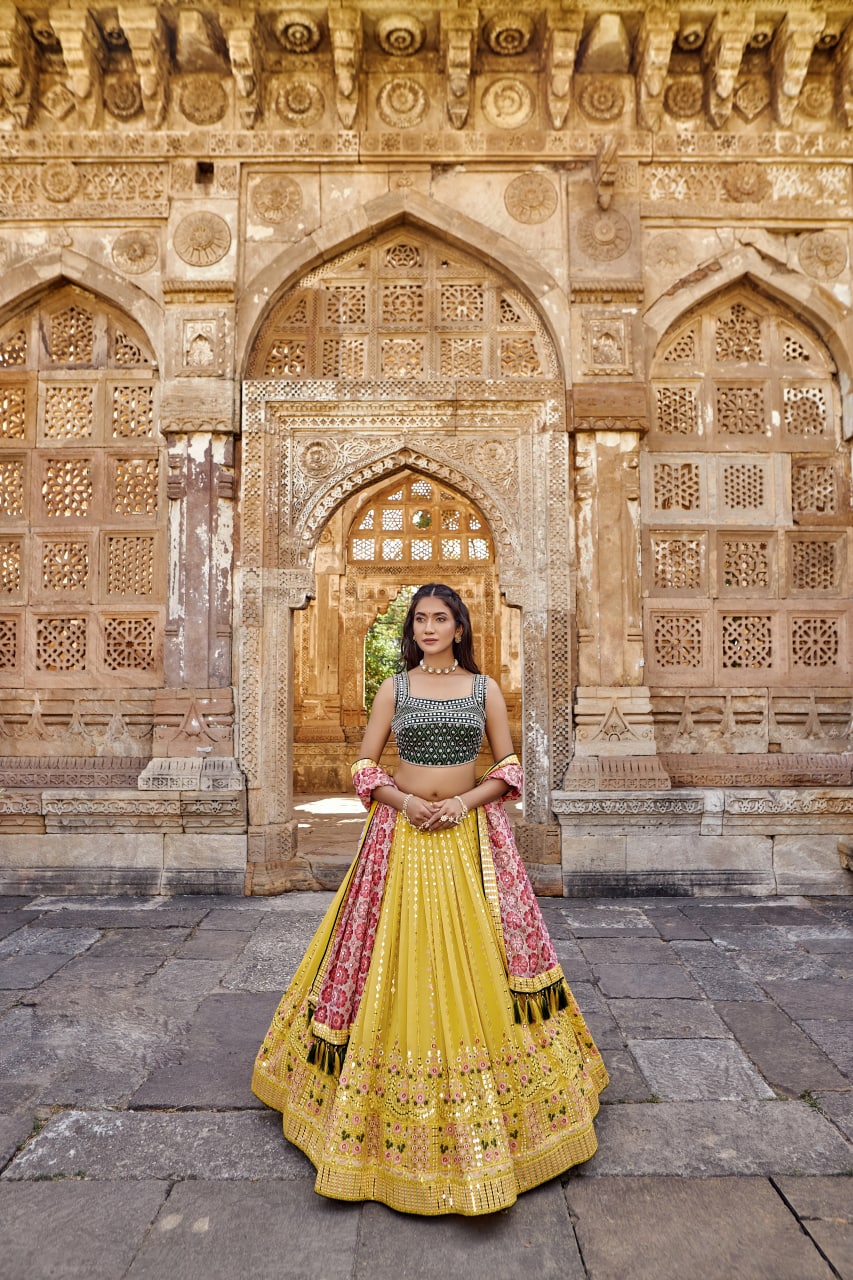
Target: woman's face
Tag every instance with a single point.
(433, 625)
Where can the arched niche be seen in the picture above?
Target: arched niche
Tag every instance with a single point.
(402, 354)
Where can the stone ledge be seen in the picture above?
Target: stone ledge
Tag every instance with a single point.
(19, 772)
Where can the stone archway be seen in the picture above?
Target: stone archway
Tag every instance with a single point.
(361, 372)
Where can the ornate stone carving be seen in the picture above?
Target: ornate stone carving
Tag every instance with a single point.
(346, 35)
(297, 32)
(823, 255)
(722, 55)
(402, 103)
(202, 99)
(601, 99)
(135, 252)
(59, 101)
(276, 199)
(607, 345)
(299, 102)
(122, 96)
(752, 97)
(508, 33)
(604, 236)
(508, 104)
(318, 458)
(60, 180)
(531, 198)
(148, 38)
(561, 51)
(400, 34)
(652, 55)
(746, 182)
(458, 36)
(683, 97)
(816, 98)
(790, 57)
(202, 239)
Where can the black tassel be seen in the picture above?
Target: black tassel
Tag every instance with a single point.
(328, 1058)
(539, 1006)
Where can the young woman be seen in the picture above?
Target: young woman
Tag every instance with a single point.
(429, 1052)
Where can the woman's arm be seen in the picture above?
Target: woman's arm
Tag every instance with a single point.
(378, 728)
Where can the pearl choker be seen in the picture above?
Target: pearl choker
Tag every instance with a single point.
(438, 671)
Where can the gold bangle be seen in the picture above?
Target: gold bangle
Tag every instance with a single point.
(463, 810)
(405, 808)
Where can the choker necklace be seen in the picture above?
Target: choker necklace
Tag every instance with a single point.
(438, 671)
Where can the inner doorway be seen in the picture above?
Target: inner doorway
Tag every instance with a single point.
(399, 533)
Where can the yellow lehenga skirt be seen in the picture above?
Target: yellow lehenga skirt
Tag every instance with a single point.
(445, 1102)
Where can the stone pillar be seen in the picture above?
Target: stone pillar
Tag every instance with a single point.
(612, 714)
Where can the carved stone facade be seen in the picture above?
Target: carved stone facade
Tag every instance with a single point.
(299, 307)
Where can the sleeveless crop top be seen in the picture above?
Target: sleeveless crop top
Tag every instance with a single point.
(437, 731)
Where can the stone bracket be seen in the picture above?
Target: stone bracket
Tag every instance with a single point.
(458, 38)
(722, 57)
(560, 62)
(793, 46)
(148, 39)
(346, 35)
(651, 59)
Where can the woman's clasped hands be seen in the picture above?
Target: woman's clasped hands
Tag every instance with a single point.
(433, 815)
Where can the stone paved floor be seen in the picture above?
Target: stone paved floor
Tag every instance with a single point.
(132, 1149)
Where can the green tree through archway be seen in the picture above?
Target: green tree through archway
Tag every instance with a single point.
(382, 645)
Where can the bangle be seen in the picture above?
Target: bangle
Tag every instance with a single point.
(463, 810)
(405, 808)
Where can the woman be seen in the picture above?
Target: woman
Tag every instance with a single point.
(429, 1053)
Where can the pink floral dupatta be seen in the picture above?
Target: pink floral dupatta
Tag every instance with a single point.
(534, 975)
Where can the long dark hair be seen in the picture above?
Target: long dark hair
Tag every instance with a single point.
(463, 649)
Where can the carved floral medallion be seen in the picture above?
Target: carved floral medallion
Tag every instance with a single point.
(823, 255)
(530, 198)
(508, 104)
(299, 103)
(297, 32)
(752, 97)
(601, 99)
(202, 99)
(402, 103)
(122, 96)
(135, 252)
(400, 34)
(201, 239)
(318, 458)
(604, 236)
(816, 98)
(508, 33)
(60, 180)
(683, 98)
(746, 182)
(276, 199)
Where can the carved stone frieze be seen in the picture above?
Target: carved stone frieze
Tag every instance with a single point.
(793, 188)
(758, 770)
(299, 102)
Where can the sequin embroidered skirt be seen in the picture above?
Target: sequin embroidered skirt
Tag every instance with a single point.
(444, 1103)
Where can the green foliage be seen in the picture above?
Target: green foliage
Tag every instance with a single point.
(382, 645)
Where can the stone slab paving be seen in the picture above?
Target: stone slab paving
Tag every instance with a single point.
(128, 1028)
(678, 1229)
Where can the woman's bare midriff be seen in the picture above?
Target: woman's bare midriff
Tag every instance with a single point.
(435, 784)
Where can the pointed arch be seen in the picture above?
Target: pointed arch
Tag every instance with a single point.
(822, 311)
(386, 212)
(21, 286)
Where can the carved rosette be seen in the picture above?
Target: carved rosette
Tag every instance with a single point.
(276, 200)
(746, 183)
(601, 99)
(402, 103)
(667, 253)
(202, 99)
(752, 98)
(202, 239)
(122, 96)
(508, 104)
(822, 255)
(297, 32)
(60, 180)
(318, 458)
(816, 98)
(300, 103)
(400, 34)
(508, 33)
(135, 252)
(683, 98)
(530, 198)
(604, 236)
